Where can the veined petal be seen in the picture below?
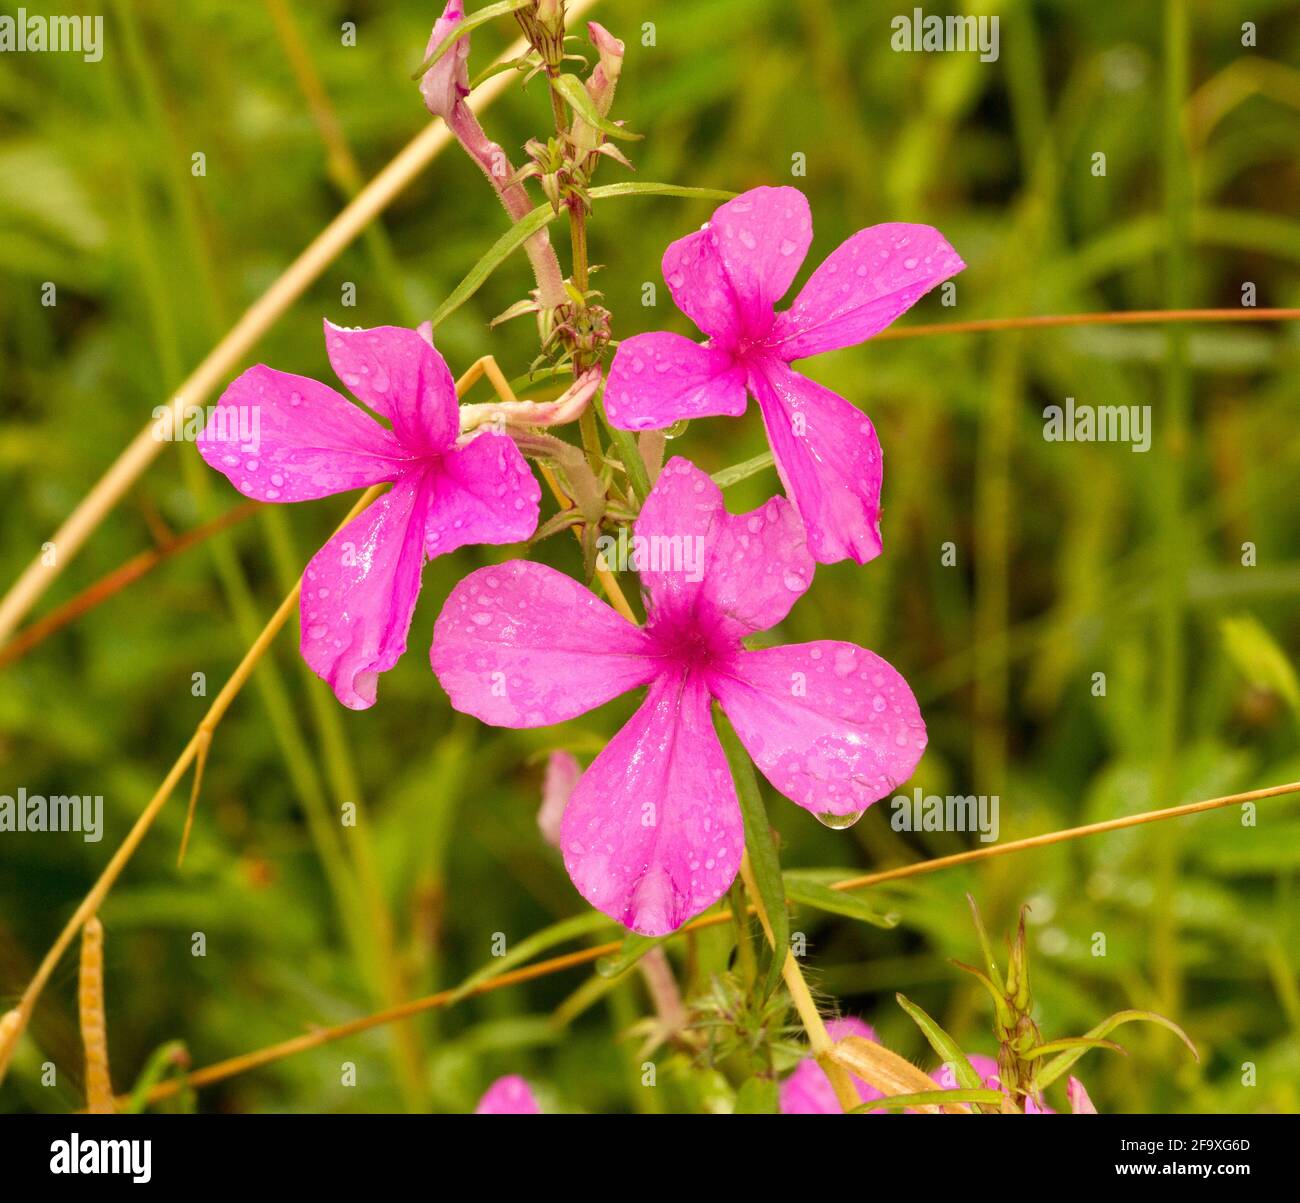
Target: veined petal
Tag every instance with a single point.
(510, 1095)
(359, 592)
(658, 379)
(402, 377)
(483, 492)
(828, 458)
(721, 576)
(279, 437)
(862, 286)
(521, 645)
(728, 276)
(832, 726)
(652, 834)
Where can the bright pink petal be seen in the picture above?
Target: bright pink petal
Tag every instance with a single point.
(510, 1095)
(808, 1091)
(658, 379)
(401, 376)
(446, 83)
(828, 458)
(562, 773)
(359, 592)
(863, 285)
(728, 276)
(1080, 1103)
(707, 574)
(990, 1078)
(521, 645)
(653, 834)
(278, 437)
(483, 492)
(831, 725)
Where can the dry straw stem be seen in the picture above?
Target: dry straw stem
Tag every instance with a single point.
(1135, 317)
(226, 356)
(818, 1037)
(94, 1023)
(572, 960)
(196, 752)
(133, 569)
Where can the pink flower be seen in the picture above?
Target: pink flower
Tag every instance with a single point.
(727, 277)
(653, 834)
(990, 1078)
(510, 1095)
(808, 1090)
(446, 83)
(1080, 1103)
(562, 775)
(279, 437)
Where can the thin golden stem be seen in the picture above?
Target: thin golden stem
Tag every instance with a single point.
(818, 1037)
(314, 1039)
(1137, 317)
(226, 356)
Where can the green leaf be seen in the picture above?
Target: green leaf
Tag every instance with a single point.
(543, 215)
(1056, 1067)
(763, 859)
(165, 1060)
(497, 253)
(1079, 1042)
(1259, 659)
(468, 25)
(634, 948)
(948, 1049)
(931, 1098)
(757, 1096)
(575, 93)
(539, 942)
(835, 902)
(738, 472)
(990, 961)
(651, 188)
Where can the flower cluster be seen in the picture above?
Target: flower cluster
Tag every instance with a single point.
(652, 833)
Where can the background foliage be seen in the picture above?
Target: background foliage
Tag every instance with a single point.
(1071, 559)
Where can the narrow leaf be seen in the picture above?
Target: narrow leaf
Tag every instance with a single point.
(739, 472)
(575, 93)
(931, 1097)
(948, 1049)
(538, 942)
(835, 902)
(634, 948)
(1079, 1042)
(885, 1070)
(467, 26)
(763, 859)
(1056, 1067)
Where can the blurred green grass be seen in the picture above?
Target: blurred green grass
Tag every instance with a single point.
(1071, 559)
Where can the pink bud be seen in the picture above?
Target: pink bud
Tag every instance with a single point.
(446, 83)
(1080, 1103)
(604, 77)
(562, 773)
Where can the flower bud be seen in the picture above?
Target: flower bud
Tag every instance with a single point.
(446, 83)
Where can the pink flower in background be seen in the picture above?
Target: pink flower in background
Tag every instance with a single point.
(652, 833)
(1080, 1103)
(987, 1068)
(727, 278)
(359, 591)
(563, 773)
(510, 1095)
(808, 1091)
